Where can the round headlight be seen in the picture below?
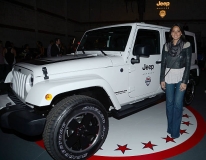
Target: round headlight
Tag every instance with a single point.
(29, 82)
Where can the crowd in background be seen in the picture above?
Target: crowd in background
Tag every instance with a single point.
(9, 54)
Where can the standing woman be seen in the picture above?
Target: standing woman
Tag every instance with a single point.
(40, 50)
(174, 76)
(9, 54)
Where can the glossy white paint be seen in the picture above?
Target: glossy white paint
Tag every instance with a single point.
(61, 85)
(123, 82)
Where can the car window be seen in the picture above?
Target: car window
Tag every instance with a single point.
(107, 39)
(149, 37)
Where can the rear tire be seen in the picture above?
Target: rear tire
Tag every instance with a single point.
(189, 93)
(76, 128)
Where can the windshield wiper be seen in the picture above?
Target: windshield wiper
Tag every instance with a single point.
(103, 52)
(82, 50)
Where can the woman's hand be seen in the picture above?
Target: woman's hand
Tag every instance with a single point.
(183, 86)
(163, 85)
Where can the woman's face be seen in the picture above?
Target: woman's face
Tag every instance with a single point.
(176, 33)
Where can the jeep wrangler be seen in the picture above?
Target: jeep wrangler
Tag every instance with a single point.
(115, 71)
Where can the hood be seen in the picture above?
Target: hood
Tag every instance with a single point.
(44, 61)
(64, 64)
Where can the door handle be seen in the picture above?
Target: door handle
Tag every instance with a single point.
(158, 62)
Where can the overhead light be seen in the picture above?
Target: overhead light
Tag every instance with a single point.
(162, 13)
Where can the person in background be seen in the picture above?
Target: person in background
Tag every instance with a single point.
(27, 55)
(71, 48)
(40, 50)
(174, 76)
(55, 49)
(9, 54)
(62, 49)
(2, 75)
(49, 48)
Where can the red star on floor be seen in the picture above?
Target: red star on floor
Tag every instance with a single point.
(187, 123)
(122, 148)
(149, 145)
(169, 139)
(183, 131)
(186, 115)
(41, 143)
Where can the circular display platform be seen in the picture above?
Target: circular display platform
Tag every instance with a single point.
(143, 135)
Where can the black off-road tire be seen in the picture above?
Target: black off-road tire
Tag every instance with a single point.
(189, 93)
(75, 128)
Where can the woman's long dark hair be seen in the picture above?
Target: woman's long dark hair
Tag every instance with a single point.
(181, 29)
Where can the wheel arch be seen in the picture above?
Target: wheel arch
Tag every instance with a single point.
(95, 92)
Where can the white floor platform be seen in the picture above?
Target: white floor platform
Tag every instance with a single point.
(144, 135)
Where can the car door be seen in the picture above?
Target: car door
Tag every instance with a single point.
(144, 76)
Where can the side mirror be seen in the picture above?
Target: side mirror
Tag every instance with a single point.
(140, 50)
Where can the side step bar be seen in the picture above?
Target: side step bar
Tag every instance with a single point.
(136, 107)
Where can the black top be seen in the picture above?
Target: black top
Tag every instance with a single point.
(177, 62)
(9, 56)
(55, 50)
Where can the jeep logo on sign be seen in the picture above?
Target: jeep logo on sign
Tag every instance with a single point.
(146, 67)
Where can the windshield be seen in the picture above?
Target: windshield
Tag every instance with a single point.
(107, 39)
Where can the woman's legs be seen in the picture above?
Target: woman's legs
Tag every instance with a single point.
(170, 89)
(178, 109)
(174, 108)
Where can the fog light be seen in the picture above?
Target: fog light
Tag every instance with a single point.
(48, 97)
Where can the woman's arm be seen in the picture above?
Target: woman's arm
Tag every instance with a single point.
(163, 64)
(186, 73)
(41, 52)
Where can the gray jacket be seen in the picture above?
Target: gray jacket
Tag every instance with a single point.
(177, 62)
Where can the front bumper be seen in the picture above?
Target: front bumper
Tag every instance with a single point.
(20, 117)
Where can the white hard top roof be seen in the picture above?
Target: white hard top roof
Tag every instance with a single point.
(136, 24)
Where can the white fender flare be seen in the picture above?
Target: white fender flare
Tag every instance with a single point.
(36, 95)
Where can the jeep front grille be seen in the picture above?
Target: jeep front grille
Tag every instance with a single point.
(19, 82)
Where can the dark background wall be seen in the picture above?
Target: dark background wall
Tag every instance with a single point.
(27, 21)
